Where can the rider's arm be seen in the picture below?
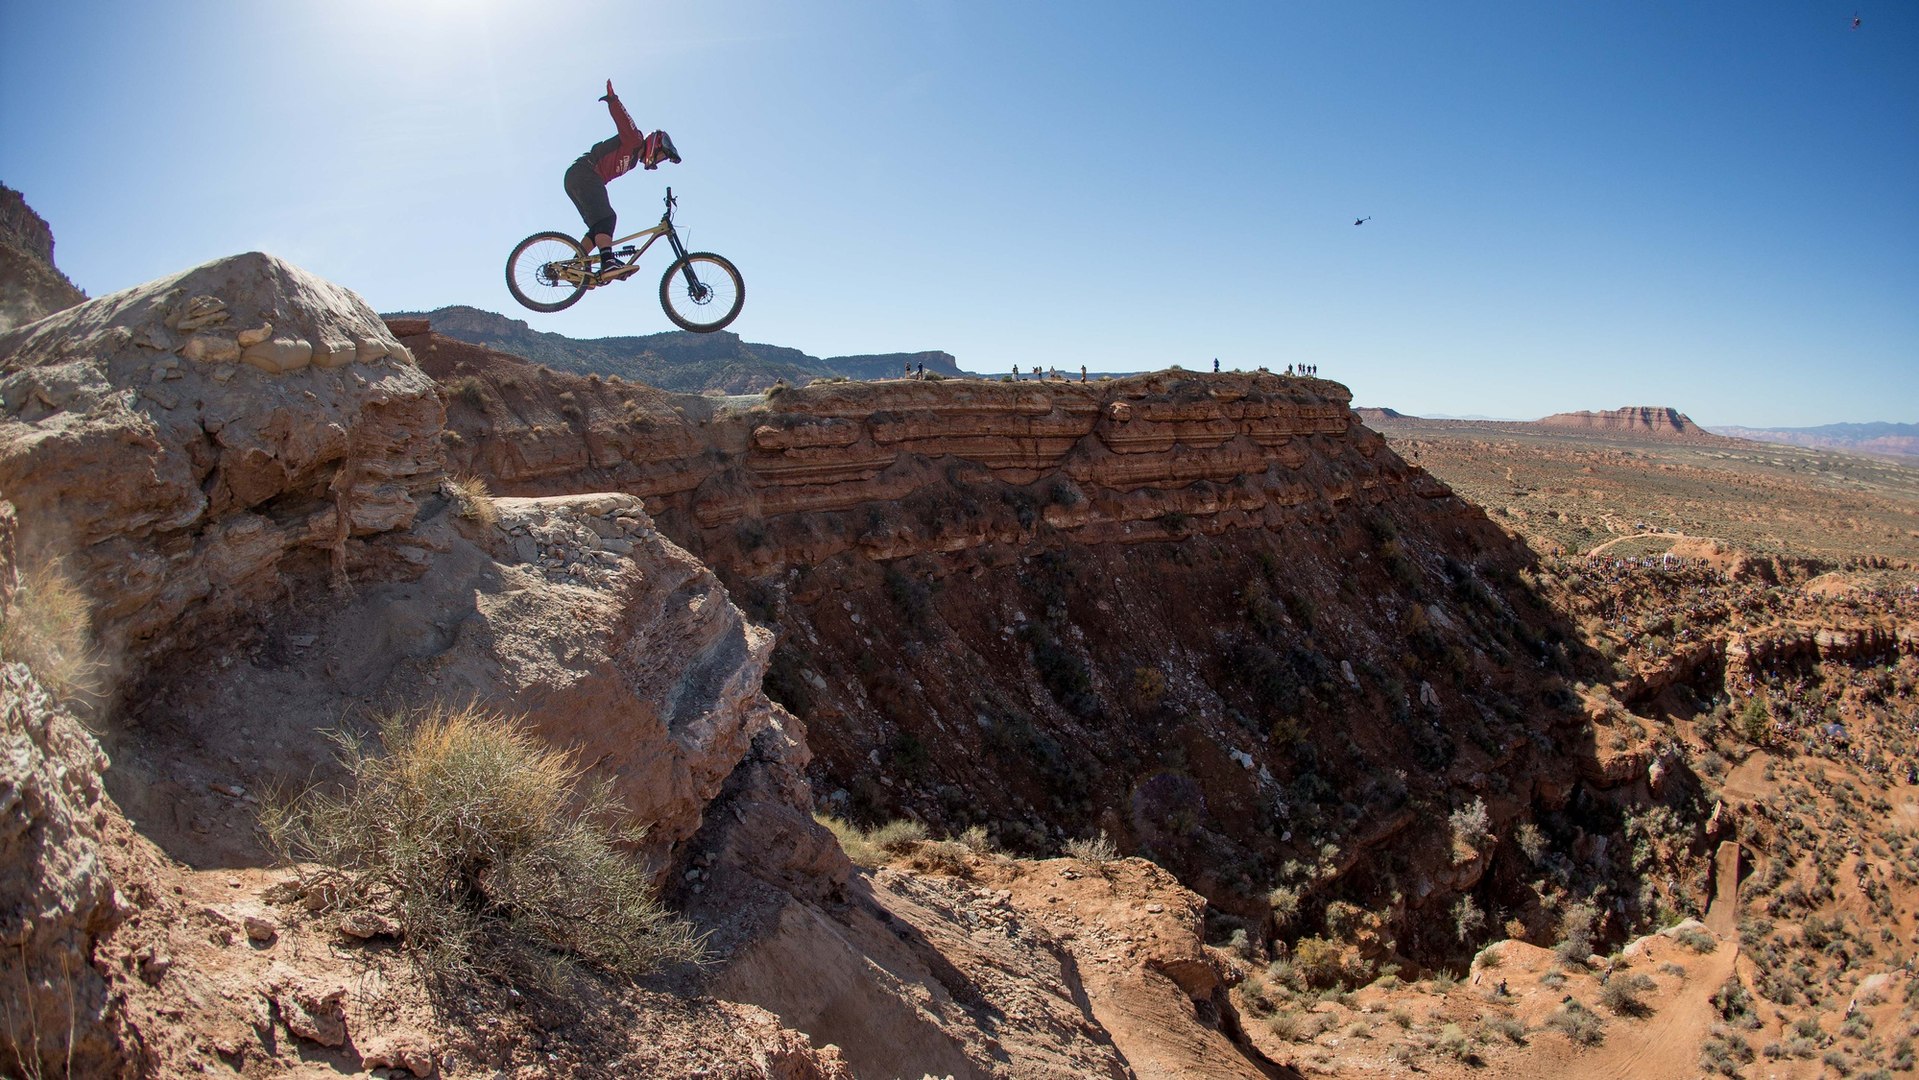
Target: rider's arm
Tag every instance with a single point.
(629, 135)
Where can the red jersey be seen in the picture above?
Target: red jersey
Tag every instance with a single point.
(616, 156)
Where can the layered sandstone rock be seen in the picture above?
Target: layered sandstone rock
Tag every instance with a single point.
(1654, 420)
(793, 478)
(180, 445)
(31, 287)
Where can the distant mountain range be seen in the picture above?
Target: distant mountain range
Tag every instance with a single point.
(675, 360)
(1877, 438)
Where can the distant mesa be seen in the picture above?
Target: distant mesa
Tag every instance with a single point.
(1632, 421)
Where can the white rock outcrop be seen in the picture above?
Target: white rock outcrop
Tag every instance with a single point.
(179, 443)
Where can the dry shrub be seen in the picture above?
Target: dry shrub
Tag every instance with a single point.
(976, 840)
(1321, 964)
(1576, 933)
(475, 501)
(1621, 994)
(871, 848)
(471, 390)
(1097, 849)
(46, 623)
(1295, 1026)
(1578, 1023)
(485, 846)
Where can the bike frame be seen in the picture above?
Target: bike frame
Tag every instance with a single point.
(664, 228)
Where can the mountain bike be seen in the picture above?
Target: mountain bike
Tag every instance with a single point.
(700, 291)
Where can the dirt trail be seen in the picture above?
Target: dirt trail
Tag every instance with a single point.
(1664, 1046)
(1600, 548)
(1722, 916)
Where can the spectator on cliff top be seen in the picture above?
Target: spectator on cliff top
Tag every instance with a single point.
(1082, 373)
(1215, 365)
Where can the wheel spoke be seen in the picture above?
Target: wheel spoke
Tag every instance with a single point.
(702, 292)
(546, 272)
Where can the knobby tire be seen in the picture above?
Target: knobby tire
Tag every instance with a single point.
(719, 308)
(532, 288)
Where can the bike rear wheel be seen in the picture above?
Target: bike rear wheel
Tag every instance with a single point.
(547, 272)
(702, 292)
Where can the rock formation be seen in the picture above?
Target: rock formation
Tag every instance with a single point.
(240, 470)
(1652, 420)
(1053, 609)
(1210, 619)
(1631, 422)
(31, 287)
(185, 445)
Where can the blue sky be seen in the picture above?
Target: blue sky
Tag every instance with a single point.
(1707, 205)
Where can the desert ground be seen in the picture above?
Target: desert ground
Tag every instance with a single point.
(1574, 493)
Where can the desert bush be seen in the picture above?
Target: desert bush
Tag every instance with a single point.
(1735, 1005)
(1468, 920)
(471, 390)
(1284, 900)
(1725, 1052)
(46, 623)
(1454, 1043)
(1576, 933)
(1294, 1026)
(474, 501)
(1902, 1055)
(1532, 842)
(872, 847)
(1471, 826)
(976, 839)
(485, 846)
(1621, 994)
(1755, 722)
(1578, 1023)
(1511, 1028)
(1095, 849)
(1697, 940)
(1320, 964)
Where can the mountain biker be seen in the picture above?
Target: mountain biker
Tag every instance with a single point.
(587, 177)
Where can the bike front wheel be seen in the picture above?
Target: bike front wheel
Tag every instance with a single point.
(547, 272)
(702, 292)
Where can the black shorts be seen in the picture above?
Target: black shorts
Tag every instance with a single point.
(588, 192)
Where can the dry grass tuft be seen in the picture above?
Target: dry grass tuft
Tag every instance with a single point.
(475, 501)
(485, 846)
(1096, 849)
(872, 848)
(47, 624)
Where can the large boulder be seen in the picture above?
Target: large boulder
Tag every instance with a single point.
(183, 444)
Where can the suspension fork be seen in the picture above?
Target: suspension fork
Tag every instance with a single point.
(686, 268)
